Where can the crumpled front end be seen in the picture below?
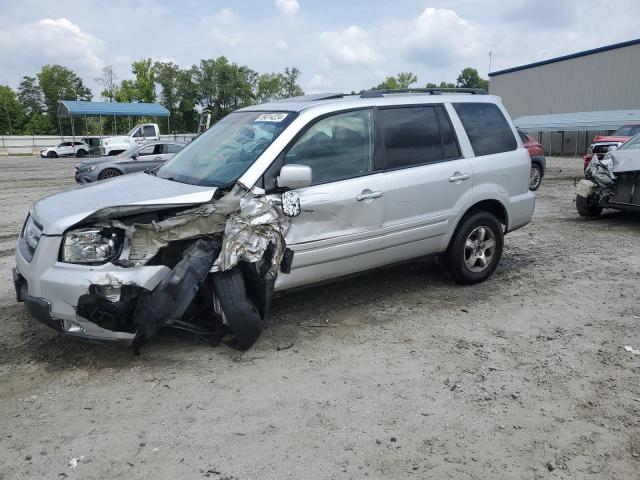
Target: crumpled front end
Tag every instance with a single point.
(163, 272)
(611, 182)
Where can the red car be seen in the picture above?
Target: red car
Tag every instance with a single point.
(538, 162)
(603, 143)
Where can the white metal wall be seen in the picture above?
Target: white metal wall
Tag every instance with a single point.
(607, 80)
(31, 145)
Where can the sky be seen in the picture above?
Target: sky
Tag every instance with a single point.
(339, 45)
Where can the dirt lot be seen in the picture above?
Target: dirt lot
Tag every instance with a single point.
(397, 374)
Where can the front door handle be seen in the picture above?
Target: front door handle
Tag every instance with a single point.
(457, 176)
(367, 194)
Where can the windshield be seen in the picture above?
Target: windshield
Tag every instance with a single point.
(627, 131)
(632, 144)
(220, 155)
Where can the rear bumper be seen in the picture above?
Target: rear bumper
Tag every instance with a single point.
(521, 210)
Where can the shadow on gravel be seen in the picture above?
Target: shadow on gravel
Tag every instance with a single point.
(368, 299)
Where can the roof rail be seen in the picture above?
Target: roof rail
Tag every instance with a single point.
(430, 91)
(312, 97)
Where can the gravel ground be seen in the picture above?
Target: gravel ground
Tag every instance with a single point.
(397, 374)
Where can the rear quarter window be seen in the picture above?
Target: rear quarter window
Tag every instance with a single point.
(487, 128)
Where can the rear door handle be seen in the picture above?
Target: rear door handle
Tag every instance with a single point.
(457, 176)
(367, 194)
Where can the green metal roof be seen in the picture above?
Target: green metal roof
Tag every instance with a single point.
(67, 108)
(578, 121)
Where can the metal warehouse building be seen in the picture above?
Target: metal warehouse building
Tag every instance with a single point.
(553, 97)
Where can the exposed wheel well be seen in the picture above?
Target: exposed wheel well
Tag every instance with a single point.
(492, 206)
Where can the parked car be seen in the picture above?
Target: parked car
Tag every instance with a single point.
(604, 143)
(538, 161)
(274, 197)
(143, 133)
(140, 157)
(611, 182)
(66, 149)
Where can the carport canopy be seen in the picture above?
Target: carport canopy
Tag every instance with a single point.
(578, 121)
(70, 108)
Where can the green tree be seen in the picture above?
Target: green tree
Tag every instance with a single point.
(109, 81)
(402, 80)
(269, 86)
(406, 79)
(223, 86)
(290, 86)
(145, 83)
(60, 83)
(12, 116)
(30, 95)
(126, 92)
(469, 78)
(188, 93)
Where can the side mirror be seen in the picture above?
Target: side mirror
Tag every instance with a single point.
(294, 176)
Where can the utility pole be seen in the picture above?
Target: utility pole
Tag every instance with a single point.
(4, 105)
(490, 55)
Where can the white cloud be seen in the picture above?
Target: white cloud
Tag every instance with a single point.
(51, 40)
(288, 7)
(224, 27)
(439, 37)
(318, 83)
(225, 17)
(281, 44)
(351, 46)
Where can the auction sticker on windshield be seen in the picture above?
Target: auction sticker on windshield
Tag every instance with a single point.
(271, 117)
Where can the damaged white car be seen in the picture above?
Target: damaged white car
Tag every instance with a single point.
(613, 182)
(274, 197)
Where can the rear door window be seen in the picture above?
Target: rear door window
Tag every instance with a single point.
(172, 148)
(487, 129)
(416, 135)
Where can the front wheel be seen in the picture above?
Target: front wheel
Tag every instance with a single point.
(109, 173)
(535, 177)
(238, 312)
(80, 153)
(587, 208)
(52, 155)
(476, 249)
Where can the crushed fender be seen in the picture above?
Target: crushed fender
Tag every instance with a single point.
(243, 229)
(173, 295)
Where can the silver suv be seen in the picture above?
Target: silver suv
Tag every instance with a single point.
(272, 197)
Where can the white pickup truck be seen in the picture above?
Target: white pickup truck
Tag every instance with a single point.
(143, 133)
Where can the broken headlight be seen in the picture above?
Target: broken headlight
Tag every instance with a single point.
(90, 245)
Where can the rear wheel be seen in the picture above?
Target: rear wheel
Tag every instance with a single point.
(238, 312)
(476, 248)
(109, 173)
(587, 208)
(81, 153)
(52, 155)
(535, 177)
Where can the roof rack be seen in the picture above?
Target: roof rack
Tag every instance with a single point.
(312, 97)
(430, 91)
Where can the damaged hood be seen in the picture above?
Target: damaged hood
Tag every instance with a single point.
(59, 211)
(626, 160)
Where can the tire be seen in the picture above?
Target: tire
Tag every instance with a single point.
(462, 260)
(52, 155)
(109, 173)
(535, 177)
(240, 313)
(586, 208)
(81, 153)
